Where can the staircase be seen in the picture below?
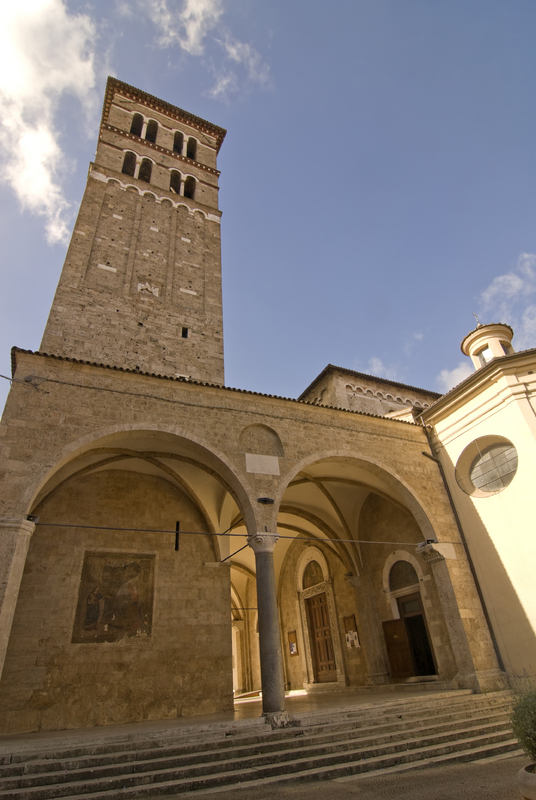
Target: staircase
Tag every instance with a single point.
(392, 735)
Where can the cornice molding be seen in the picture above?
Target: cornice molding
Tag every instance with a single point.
(157, 147)
(113, 86)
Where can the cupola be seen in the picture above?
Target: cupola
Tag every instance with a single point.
(487, 342)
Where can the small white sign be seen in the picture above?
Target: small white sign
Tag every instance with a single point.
(262, 465)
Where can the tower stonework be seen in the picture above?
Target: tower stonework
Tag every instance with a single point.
(141, 283)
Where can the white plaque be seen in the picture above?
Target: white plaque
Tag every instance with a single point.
(262, 465)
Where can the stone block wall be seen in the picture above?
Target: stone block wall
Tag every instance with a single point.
(137, 273)
(162, 647)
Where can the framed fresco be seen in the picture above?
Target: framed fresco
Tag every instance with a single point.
(115, 598)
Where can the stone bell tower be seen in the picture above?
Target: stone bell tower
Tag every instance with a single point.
(141, 283)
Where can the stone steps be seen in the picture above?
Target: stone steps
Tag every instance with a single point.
(397, 734)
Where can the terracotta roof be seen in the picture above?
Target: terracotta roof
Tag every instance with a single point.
(365, 375)
(15, 350)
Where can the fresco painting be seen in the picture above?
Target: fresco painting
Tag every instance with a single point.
(115, 599)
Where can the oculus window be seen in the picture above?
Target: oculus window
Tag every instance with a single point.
(487, 466)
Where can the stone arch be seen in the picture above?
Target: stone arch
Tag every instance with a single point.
(310, 554)
(401, 491)
(390, 561)
(213, 461)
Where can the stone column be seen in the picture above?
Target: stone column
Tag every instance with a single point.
(15, 535)
(272, 679)
(478, 668)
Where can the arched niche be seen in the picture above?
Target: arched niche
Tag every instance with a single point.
(306, 557)
(260, 439)
(394, 558)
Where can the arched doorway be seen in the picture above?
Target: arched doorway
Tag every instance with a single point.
(316, 600)
(407, 640)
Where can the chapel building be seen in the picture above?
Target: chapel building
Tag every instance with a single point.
(168, 542)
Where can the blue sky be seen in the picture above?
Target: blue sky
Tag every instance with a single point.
(378, 175)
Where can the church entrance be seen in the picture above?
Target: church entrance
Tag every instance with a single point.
(408, 645)
(322, 652)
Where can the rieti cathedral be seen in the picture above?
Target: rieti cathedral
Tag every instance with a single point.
(168, 542)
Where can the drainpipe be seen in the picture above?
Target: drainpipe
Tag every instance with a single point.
(433, 457)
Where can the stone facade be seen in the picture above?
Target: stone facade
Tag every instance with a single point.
(130, 493)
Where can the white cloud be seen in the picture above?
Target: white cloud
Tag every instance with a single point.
(378, 368)
(247, 56)
(448, 378)
(226, 83)
(186, 25)
(410, 346)
(507, 299)
(192, 25)
(45, 52)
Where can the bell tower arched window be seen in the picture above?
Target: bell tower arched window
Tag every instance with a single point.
(129, 164)
(178, 142)
(175, 182)
(145, 170)
(191, 149)
(189, 187)
(152, 130)
(137, 125)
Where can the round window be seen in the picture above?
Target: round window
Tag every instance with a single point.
(486, 466)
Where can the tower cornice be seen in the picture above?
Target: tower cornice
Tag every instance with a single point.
(113, 86)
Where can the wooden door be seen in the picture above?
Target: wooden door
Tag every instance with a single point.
(321, 642)
(398, 649)
(412, 612)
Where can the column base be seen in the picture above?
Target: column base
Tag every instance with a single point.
(493, 680)
(281, 719)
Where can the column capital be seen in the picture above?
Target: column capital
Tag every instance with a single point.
(263, 542)
(19, 525)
